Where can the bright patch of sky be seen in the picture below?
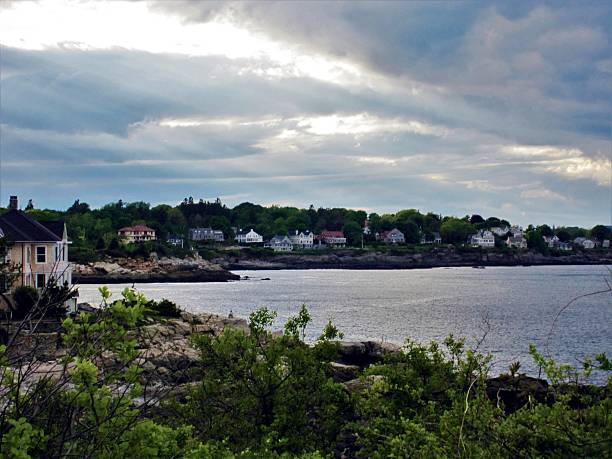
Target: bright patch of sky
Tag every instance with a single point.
(130, 25)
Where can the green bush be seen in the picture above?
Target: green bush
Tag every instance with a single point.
(163, 308)
(80, 254)
(25, 298)
(264, 392)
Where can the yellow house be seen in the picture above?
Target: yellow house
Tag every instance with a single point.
(39, 249)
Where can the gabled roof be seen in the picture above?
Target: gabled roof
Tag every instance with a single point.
(19, 227)
(56, 227)
(280, 240)
(298, 232)
(327, 233)
(243, 232)
(137, 228)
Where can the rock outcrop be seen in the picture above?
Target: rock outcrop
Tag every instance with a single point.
(365, 353)
(126, 270)
(166, 352)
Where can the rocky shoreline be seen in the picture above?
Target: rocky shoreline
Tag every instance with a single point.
(438, 258)
(126, 270)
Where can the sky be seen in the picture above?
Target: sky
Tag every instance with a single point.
(500, 109)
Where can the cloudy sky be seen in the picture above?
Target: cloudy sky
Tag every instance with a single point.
(491, 108)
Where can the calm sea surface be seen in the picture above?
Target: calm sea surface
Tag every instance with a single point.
(512, 306)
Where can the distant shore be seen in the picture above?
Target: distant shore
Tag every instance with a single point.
(219, 269)
(438, 258)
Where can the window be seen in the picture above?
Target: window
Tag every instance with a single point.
(41, 254)
(41, 280)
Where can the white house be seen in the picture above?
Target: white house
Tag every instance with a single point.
(483, 238)
(280, 244)
(302, 239)
(250, 237)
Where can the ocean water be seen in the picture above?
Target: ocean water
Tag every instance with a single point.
(506, 307)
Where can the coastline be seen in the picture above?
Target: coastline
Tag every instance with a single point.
(445, 258)
(220, 269)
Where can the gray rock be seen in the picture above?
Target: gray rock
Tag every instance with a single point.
(365, 353)
(360, 385)
(342, 373)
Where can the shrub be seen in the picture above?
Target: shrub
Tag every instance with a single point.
(82, 254)
(163, 308)
(25, 298)
(266, 392)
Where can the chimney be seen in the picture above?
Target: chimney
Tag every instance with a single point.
(14, 203)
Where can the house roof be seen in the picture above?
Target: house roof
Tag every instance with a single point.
(392, 231)
(56, 227)
(137, 228)
(19, 227)
(298, 232)
(332, 233)
(280, 239)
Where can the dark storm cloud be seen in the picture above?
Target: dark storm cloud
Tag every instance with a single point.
(546, 63)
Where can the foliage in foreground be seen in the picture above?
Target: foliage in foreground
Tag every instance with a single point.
(270, 395)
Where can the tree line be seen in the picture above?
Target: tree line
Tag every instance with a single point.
(94, 231)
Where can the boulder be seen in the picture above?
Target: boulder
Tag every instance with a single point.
(365, 353)
(106, 267)
(513, 392)
(342, 373)
(359, 385)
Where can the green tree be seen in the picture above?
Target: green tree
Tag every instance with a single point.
(535, 240)
(563, 235)
(353, 233)
(259, 390)
(545, 230)
(411, 231)
(600, 232)
(456, 231)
